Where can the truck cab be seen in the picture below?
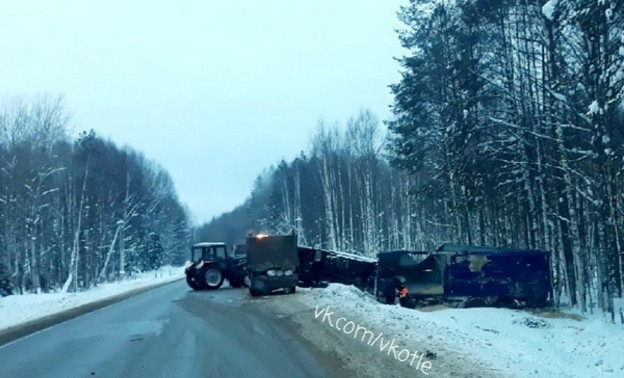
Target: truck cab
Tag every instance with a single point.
(272, 263)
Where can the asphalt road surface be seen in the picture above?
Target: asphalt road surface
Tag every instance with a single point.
(170, 331)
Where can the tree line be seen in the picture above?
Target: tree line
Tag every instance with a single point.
(75, 213)
(342, 194)
(510, 113)
(507, 130)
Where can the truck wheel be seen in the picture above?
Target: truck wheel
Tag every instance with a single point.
(235, 284)
(535, 302)
(473, 302)
(213, 278)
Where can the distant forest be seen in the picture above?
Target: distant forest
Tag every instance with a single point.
(77, 213)
(507, 130)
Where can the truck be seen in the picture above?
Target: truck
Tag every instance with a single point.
(211, 264)
(272, 263)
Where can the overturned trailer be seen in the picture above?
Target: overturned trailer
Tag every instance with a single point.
(410, 269)
(318, 267)
(466, 276)
(272, 263)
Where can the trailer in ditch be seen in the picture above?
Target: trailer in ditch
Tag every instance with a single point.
(465, 276)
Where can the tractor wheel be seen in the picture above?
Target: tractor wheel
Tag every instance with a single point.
(213, 278)
(192, 282)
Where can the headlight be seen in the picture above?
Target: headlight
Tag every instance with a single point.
(288, 272)
(271, 272)
(279, 273)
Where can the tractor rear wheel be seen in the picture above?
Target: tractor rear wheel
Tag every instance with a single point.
(213, 278)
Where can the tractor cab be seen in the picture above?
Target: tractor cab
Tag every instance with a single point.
(209, 252)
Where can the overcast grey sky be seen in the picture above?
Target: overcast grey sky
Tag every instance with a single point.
(214, 91)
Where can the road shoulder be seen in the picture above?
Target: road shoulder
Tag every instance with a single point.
(18, 331)
(362, 359)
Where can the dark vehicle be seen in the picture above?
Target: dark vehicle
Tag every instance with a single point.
(411, 270)
(311, 267)
(467, 276)
(211, 264)
(240, 250)
(272, 263)
(6, 288)
(318, 267)
(497, 276)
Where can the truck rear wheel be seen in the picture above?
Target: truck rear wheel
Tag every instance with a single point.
(289, 290)
(473, 302)
(213, 278)
(240, 281)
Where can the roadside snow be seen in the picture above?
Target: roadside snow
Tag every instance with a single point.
(18, 309)
(515, 343)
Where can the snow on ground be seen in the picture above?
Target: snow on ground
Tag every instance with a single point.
(516, 343)
(18, 309)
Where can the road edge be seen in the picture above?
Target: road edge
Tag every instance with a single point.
(16, 332)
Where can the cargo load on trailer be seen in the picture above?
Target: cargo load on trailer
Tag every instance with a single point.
(319, 267)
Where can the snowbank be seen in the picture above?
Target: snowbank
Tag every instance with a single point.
(516, 343)
(18, 309)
